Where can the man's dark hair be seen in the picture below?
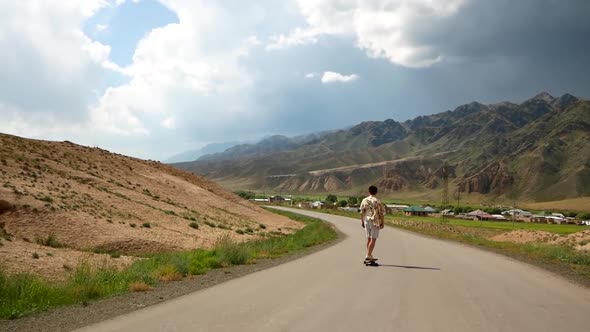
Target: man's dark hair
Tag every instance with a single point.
(373, 190)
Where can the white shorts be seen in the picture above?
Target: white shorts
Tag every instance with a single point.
(371, 230)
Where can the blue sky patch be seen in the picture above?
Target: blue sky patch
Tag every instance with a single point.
(124, 26)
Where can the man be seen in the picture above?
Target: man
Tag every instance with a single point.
(372, 220)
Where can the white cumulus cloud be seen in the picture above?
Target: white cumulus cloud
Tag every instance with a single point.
(332, 77)
(383, 28)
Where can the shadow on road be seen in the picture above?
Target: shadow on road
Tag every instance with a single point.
(411, 267)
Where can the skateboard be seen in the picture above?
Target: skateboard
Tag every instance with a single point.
(369, 262)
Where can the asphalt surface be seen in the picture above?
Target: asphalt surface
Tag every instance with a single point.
(423, 284)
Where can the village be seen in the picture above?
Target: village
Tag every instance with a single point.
(463, 213)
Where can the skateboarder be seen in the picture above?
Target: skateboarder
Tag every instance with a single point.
(372, 219)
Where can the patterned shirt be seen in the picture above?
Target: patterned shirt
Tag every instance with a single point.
(373, 210)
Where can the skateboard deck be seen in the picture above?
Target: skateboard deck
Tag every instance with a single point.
(371, 262)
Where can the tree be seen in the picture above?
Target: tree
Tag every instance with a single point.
(458, 210)
(584, 216)
(342, 203)
(331, 198)
(493, 210)
(245, 194)
(352, 201)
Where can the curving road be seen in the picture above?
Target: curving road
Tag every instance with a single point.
(423, 285)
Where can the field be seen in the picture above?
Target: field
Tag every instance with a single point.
(575, 204)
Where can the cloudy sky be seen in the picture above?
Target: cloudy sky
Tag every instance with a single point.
(153, 78)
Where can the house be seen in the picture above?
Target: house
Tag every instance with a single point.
(391, 208)
(447, 212)
(430, 209)
(539, 218)
(277, 199)
(316, 205)
(548, 219)
(417, 211)
(518, 213)
(479, 215)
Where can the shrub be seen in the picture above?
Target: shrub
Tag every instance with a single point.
(239, 231)
(132, 225)
(168, 273)
(146, 225)
(51, 241)
(46, 199)
(230, 252)
(115, 254)
(263, 226)
(35, 255)
(249, 230)
(210, 224)
(194, 225)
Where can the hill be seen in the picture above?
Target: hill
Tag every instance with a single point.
(67, 202)
(537, 150)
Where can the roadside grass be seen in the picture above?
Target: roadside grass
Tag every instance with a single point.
(23, 294)
(561, 258)
(499, 225)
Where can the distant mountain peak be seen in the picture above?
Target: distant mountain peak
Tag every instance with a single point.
(544, 96)
(566, 100)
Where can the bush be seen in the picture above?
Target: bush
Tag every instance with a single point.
(51, 241)
(168, 273)
(147, 225)
(262, 226)
(230, 252)
(194, 225)
(342, 203)
(239, 231)
(132, 225)
(249, 230)
(332, 198)
(35, 255)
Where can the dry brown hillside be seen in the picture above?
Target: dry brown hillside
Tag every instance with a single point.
(88, 200)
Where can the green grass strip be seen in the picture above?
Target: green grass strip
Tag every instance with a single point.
(496, 225)
(23, 294)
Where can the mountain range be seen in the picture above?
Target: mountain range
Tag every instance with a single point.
(537, 150)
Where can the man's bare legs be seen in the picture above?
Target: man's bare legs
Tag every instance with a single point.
(370, 246)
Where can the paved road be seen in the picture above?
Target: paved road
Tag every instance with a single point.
(423, 285)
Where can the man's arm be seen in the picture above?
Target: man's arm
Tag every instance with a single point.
(363, 208)
(381, 215)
